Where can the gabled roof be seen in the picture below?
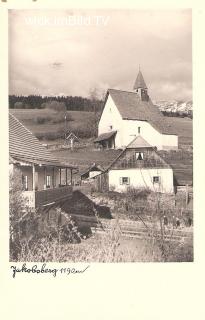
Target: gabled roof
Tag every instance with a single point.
(24, 146)
(138, 142)
(131, 107)
(93, 167)
(105, 136)
(139, 82)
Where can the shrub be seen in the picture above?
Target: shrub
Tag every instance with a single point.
(60, 117)
(41, 119)
(55, 105)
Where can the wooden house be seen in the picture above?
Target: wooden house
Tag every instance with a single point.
(138, 166)
(129, 113)
(41, 173)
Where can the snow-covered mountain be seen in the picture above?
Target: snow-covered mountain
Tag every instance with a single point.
(175, 106)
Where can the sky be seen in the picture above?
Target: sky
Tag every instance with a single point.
(71, 52)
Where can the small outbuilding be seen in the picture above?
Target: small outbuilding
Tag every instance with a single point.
(91, 172)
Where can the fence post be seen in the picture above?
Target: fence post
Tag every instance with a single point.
(187, 194)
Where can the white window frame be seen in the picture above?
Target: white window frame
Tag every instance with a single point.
(137, 155)
(25, 182)
(125, 183)
(48, 181)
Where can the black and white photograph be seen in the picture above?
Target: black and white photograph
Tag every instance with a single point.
(100, 135)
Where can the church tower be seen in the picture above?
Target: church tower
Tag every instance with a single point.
(140, 87)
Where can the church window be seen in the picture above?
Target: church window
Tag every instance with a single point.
(139, 129)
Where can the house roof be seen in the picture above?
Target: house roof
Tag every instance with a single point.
(139, 82)
(24, 146)
(93, 167)
(139, 142)
(131, 107)
(105, 136)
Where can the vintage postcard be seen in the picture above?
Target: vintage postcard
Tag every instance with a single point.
(98, 133)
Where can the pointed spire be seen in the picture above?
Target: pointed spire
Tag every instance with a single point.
(139, 82)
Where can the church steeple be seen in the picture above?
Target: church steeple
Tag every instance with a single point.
(140, 87)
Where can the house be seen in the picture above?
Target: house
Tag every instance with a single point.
(139, 166)
(42, 174)
(91, 172)
(127, 114)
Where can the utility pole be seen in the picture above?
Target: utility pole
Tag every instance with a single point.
(65, 126)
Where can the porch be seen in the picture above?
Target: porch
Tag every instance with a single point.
(39, 198)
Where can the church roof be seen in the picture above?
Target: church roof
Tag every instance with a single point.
(139, 82)
(131, 107)
(24, 146)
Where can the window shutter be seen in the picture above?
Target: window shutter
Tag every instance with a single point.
(120, 180)
(128, 180)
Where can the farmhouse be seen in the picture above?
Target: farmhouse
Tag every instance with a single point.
(139, 166)
(127, 114)
(41, 173)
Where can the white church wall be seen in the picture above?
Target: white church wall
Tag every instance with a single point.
(151, 135)
(111, 120)
(142, 178)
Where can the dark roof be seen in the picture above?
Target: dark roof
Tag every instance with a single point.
(131, 107)
(24, 146)
(105, 136)
(139, 82)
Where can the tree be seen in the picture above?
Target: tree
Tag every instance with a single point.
(18, 105)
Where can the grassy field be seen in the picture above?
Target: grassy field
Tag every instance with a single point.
(85, 156)
(27, 117)
(182, 126)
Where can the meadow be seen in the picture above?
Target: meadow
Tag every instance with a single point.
(81, 119)
(84, 155)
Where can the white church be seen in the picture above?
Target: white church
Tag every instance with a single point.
(127, 114)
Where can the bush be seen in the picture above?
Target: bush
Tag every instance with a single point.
(60, 117)
(42, 119)
(55, 105)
